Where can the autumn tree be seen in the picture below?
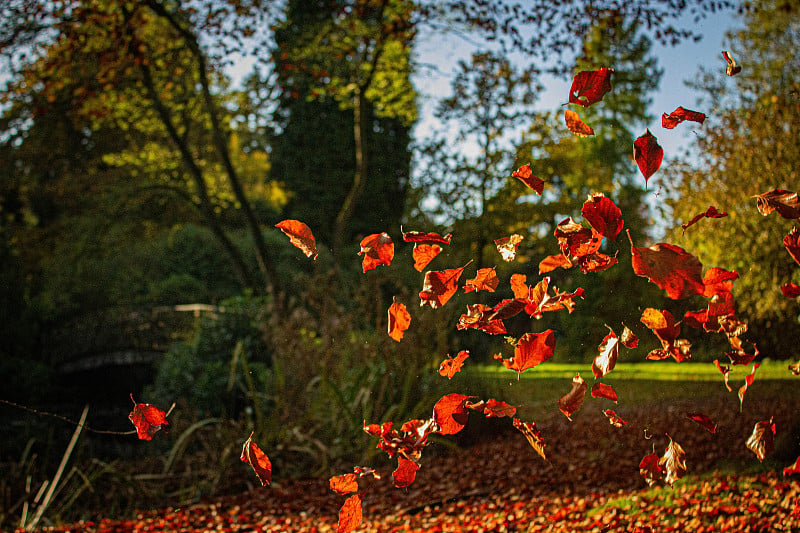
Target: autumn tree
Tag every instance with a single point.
(748, 146)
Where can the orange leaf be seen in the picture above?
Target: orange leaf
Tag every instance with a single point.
(344, 484)
(532, 349)
(670, 267)
(485, 280)
(525, 175)
(450, 366)
(350, 515)
(576, 125)
(507, 246)
(533, 435)
(399, 320)
(300, 235)
(440, 286)
(405, 473)
(252, 455)
(147, 419)
(601, 390)
(424, 254)
(378, 249)
(451, 413)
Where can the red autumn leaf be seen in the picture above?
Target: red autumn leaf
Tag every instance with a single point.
(650, 468)
(451, 413)
(669, 121)
(576, 240)
(344, 484)
(786, 203)
(792, 244)
(703, 420)
(532, 349)
(748, 380)
(604, 215)
(613, 418)
(405, 473)
(350, 515)
(628, 338)
(662, 323)
(670, 267)
(533, 435)
(424, 254)
(485, 280)
(362, 471)
(553, 262)
(738, 355)
(536, 299)
(576, 125)
(147, 419)
(399, 320)
(419, 237)
(791, 290)
(572, 401)
(762, 441)
(792, 469)
(507, 246)
(606, 360)
(474, 319)
(378, 249)
(648, 155)
(673, 462)
(601, 390)
(794, 368)
(498, 409)
(439, 286)
(252, 455)
(711, 212)
(300, 235)
(450, 366)
(525, 175)
(589, 86)
(726, 371)
(732, 69)
(718, 281)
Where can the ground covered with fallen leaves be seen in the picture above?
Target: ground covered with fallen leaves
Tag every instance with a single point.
(494, 481)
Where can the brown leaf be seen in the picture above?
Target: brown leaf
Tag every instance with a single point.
(748, 380)
(485, 280)
(350, 515)
(670, 267)
(378, 249)
(252, 455)
(732, 69)
(628, 338)
(711, 212)
(576, 125)
(344, 484)
(673, 462)
(507, 246)
(533, 435)
(525, 175)
(786, 203)
(424, 254)
(572, 401)
(762, 441)
(650, 467)
(613, 418)
(450, 366)
(792, 244)
(419, 237)
(399, 320)
(300, 235)
(606, 360)
(648, 155)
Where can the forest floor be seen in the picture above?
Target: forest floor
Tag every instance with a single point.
(490, 479)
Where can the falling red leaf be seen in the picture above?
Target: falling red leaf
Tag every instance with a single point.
(748, 380)
(589, 86)
(450, 366)
(451, 413)
(604, 215)
(378, 249)
(344, 484)
(648, 155)
(536, 300)
(738, 355)
(613, 418)
(147, 419)
(650, 467)
(533, 435)
(405, 473)
(628, 338)
(718, 281)
(572, 401)
(362, 471)
(673, 462)
(485, 280)
(605, 361)
(601, 390)
(794, 368)
(498, 409)
(532, 349)
(424, 254)
(669, 121)
(792, 244)
(670, 267)
(350, 515)
(667, 329)
(792, 469)
(300, 235)
(711, 212)
(252, 455)
(704, 421)
(791, 290)
(732, 68)
(786, 203)
(726, 371)
(474, 319)
(440, 286)
(525, 175)
(576, 125)
(507, 246)
(399, 320)
(419, 237)
(762, 441)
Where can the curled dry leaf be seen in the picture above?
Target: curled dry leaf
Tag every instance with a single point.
(669, 121)
(362, 471)
(424, 254)
(628, 338)
(732, 69)
(711, 212)
(786, 203)
(344, 484)
(450, 366)
(762, 441)
(474, 318)
(791, 290)
(378, 249)
(738, 355)
(440, 286)
(405, 473)
(525, 175)
(792, 244)
(748, 380)
(670, 267)
(507, 246)
(648, 155)
(350, 515)
(300, 235)
(606, 360)
(673, 462)
(601, 390)
(604, 215)
(451, 413)
(589, 86)
(726, 371)
(419, 237)
(794, 368)
(485, 280)
(650, 468)
(258, 460)
(147, 419)
(399, 320)
(576, 125)
(572, 401)
(533, 435)
(531, 350)
(704, 421)
(613, 418)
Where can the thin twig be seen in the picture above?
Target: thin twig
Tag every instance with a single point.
(68, 420)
